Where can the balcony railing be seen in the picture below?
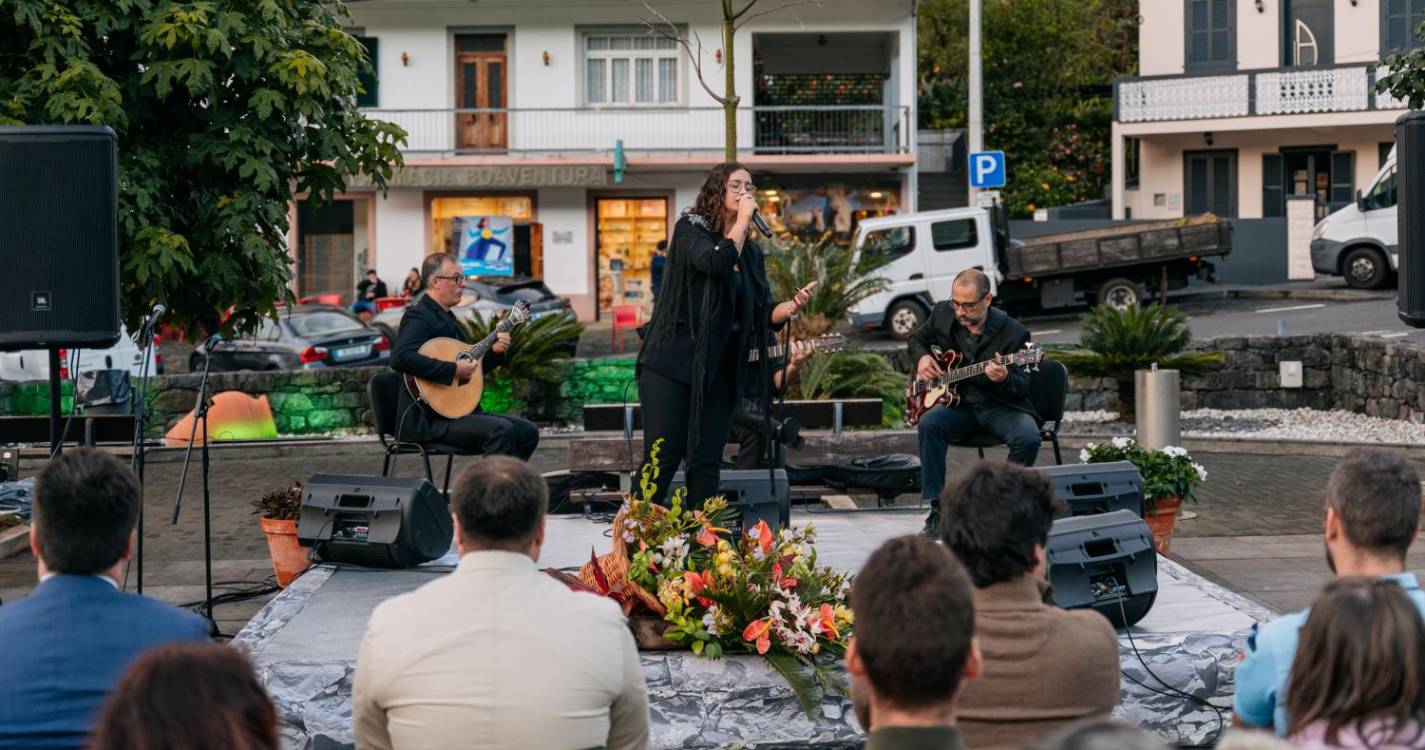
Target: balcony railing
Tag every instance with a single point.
(869, 129)
(1280, 91)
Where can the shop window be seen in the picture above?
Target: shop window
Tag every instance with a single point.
(817, 208)
(443, 211)
(628, 233)
(631, 69)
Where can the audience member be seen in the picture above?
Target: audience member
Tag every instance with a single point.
(914, 646)
(1358, 679)
(368, 290)
(413, 285)
(190, 696)
(68, 642)
(656, 265)
(1045, 667)
(1104, 734)
(498, 654)
(1372, 513)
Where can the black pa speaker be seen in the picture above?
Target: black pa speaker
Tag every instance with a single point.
(752, 496)
(1410, 216)
(1090, 489)
(379, 522)
(59, 237)
(1106, 563)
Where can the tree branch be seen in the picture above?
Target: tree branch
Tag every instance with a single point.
(744, 10)
(666, 29)
(781, 7)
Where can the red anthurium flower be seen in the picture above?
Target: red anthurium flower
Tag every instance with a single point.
(764, 536)
(707, 538)
(776, 571)
(697, 584)
(788, 583)
(759, 631)
(828, 621)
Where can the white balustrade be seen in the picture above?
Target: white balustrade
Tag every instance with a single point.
(1182, 98)
(1318, 90)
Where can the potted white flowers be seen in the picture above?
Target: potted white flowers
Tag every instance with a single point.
(1169, 478)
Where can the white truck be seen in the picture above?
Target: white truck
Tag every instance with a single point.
(1115, 264)
(1359, 241)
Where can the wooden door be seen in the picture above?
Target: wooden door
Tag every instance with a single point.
(480, 84)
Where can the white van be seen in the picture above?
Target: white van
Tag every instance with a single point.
(125, 354)
(928, 249)
(1359, 241)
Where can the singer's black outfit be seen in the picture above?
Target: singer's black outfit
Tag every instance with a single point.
(713, 308)
(491, 434)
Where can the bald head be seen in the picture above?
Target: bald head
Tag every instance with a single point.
(972, 280)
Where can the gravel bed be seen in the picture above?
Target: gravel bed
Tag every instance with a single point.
(1270, 424)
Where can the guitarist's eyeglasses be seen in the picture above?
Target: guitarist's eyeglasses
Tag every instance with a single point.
(967, 306)
(458, 278)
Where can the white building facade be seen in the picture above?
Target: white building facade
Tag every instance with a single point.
(515, 111)
(1242, 104)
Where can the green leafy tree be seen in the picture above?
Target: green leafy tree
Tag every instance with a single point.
(223, 109)
(1405, 79)
(1047, 103)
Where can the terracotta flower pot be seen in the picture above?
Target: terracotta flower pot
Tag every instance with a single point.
(288, 557)
(1160, 520)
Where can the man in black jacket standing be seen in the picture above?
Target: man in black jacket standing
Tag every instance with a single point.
(430, 317)
(995, 402)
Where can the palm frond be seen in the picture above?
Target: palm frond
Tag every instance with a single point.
(1116, 343)
(853, 374)
(802, 678)
(844, 277)
(536, 347)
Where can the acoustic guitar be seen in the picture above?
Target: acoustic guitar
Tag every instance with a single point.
(455, 400)
(830, 342)
(924, 394)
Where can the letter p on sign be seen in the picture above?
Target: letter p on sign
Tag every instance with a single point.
(987, 169)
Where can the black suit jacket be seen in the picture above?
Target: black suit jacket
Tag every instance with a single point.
(424, 320)
(1002, 335)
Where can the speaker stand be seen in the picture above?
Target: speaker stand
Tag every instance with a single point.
(56, 440)
(200, 414)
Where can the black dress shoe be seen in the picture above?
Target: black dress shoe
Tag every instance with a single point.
(932, 524)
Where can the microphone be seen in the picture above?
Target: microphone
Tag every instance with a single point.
(761, 224)
(153, 317)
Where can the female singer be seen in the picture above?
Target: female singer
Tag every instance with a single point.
(714, 306)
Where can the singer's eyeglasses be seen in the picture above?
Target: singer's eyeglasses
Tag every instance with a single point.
(740, 187)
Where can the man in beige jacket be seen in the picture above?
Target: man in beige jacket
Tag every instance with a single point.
(1044, 667)
(498, 654)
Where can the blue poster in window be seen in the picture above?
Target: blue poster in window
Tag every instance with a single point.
(485, 245)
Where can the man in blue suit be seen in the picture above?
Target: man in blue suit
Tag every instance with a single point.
(68, 642)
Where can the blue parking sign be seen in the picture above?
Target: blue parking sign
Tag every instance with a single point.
(987, 169)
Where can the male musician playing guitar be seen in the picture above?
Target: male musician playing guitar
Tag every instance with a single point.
(995, 402)
(430, 317)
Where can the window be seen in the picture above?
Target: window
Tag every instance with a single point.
(1382, 194)
(892, 242)
(1210, 182)
(1211, 36)
(953, 235)
(370, 82)
(631, 70)
(1398, 20)
(1131, 154)
(1383, 153)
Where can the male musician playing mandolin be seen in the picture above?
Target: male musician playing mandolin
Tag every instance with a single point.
(995, 402)
(428, 318)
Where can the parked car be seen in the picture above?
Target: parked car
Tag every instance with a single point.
(489, 296)
(1359, 241)
(305, 337)
(33, 364)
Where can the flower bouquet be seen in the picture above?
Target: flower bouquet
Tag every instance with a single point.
(761, 593)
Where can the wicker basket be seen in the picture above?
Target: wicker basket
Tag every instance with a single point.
(615, 565)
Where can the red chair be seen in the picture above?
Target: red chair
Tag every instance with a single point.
(625, 316)
(386, 303)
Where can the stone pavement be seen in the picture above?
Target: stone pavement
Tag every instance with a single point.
(1256, 533)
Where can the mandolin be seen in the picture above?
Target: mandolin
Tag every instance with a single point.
(455, 400)
(924, 394)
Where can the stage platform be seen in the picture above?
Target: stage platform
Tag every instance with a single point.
(304, 643)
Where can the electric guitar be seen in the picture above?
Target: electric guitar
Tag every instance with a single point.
(924, 394)
(831, 342)
(455, 400)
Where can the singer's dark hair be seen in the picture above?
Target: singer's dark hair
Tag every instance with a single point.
(709, 204)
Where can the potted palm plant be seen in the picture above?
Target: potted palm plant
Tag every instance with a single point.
(1116, 343)
(277, 514)
(846, 275)
(1169, 478)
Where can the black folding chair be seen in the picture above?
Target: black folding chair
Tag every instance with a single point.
(384, 391)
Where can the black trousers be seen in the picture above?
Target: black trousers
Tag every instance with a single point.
(494, 434)
(666, 406)
(749, 431)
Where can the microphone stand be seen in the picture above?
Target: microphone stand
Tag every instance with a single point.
(200, 414)
(136, 461)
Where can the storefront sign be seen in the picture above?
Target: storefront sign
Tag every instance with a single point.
(491, 177)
